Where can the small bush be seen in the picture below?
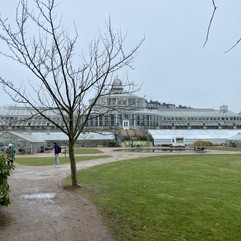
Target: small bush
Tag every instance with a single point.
(108, 143)
(202, 143)
(5, 171)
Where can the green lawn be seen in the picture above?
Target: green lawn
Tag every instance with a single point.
(43, 161)
(192, 197)
(85, 151)
(223, 148)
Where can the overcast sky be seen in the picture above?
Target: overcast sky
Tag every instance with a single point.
(172, 63)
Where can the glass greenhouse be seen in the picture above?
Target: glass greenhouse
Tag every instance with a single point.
(215, 136)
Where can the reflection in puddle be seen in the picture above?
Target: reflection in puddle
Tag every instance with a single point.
(39, 196)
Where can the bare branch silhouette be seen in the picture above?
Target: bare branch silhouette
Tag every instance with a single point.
(210, 22)
(59, 87)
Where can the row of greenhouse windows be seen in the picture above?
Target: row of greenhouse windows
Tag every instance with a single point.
(117, 120)
(24, 118)
(146, 120)
(141, 117)
(201, 118)
(120, 102)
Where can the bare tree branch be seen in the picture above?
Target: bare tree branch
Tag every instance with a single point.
(233, 46)
(58, 87)
(210, 22)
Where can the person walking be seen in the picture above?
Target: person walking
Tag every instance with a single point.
(57, 150)
(10, 153)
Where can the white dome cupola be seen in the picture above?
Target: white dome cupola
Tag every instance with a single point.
(117, 86)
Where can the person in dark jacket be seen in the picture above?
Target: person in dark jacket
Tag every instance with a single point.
(56, 152)
(10, 154)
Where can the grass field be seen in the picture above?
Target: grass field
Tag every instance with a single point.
(192, 197)
(223, 148)
(86, 151)
(44, 161)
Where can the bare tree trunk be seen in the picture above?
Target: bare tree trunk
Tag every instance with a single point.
(73, 164)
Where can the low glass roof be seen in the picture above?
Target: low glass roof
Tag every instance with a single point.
(194, 134)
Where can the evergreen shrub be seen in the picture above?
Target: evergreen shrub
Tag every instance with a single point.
(5, 170)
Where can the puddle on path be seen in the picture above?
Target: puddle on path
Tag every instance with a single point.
(39, 196)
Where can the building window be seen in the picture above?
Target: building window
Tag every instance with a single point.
(112, 119)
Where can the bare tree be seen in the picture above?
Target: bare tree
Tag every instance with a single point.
(58, 86)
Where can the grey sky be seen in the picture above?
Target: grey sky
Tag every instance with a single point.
(172, 62)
